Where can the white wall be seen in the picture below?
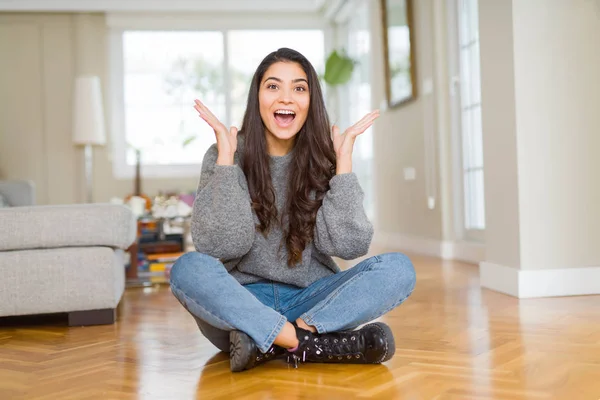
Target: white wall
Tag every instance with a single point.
(540, 94)
(499, 133)
(557, 91)
(35, 83)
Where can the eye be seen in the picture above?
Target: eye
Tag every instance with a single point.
(271, 86)
(301, 89)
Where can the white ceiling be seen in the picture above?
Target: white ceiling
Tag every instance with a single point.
(163, 5)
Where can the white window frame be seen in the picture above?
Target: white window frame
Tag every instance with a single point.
(345, 20)
(119, 23)
(458, 171)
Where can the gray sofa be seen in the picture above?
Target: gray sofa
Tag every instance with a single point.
(63, 258)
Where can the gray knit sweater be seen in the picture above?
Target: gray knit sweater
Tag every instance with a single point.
(223, 224)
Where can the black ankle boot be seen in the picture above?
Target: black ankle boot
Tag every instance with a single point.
(244, 354)
(372, 344)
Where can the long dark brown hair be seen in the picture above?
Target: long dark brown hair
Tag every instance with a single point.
(312, 166)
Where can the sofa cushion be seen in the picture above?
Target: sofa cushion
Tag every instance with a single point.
(60, 280)
(77, 225)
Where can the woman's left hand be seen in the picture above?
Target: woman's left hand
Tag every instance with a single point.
(343, 144)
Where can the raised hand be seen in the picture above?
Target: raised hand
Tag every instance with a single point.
(343, 144)
(226, 138)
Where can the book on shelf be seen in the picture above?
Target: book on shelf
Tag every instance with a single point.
(159, 265)
(163, 257)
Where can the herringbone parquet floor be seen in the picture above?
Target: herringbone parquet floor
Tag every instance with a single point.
(454, 341)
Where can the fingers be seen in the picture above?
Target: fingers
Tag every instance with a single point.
(198, 105)
(207, 115)
(364, 123)
(369, 116)
(233, 131)
(355, 132)
(204, 112)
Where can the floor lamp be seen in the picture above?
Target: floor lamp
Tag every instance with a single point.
(88, 122)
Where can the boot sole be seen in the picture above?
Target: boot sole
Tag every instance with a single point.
(242, 351)
(389, 340)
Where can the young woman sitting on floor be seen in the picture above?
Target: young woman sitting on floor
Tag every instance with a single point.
(275, 203)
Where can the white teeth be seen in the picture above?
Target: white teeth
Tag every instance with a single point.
(285, 112)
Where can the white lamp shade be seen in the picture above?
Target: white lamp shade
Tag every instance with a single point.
(88, 112)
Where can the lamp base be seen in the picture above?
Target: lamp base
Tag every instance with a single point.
(88, 173)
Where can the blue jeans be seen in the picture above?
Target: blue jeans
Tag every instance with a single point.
(343, 301)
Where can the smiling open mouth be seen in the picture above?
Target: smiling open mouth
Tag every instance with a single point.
(284, 117)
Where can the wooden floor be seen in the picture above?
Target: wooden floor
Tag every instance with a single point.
(454, 341)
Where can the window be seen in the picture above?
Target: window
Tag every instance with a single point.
(468, 116)
(161, 72)
(357, 102)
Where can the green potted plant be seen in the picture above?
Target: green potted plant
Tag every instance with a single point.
(338, 68)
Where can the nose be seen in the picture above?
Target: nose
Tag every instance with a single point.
(285, 96)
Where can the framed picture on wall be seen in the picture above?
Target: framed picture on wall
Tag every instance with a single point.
(398, 51)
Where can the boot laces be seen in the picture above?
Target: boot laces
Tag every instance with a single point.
(345, 346)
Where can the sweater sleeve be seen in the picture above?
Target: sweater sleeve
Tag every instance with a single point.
(342, 228)
(222, 224)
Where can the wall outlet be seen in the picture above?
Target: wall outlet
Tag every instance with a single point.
(431, 202)
(410, 174)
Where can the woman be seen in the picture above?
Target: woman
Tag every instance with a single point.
(274, 205)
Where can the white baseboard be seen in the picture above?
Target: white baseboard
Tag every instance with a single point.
(540, 282)
(462, 251)
(407, 243)
(512, 281)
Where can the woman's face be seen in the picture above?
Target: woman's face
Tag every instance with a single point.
(284, 98)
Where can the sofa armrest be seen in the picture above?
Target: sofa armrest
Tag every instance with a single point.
(76, 225)
(18, 193)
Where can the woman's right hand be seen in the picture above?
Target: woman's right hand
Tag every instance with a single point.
(226, 138)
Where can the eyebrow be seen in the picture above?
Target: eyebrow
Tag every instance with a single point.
(293, 81)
